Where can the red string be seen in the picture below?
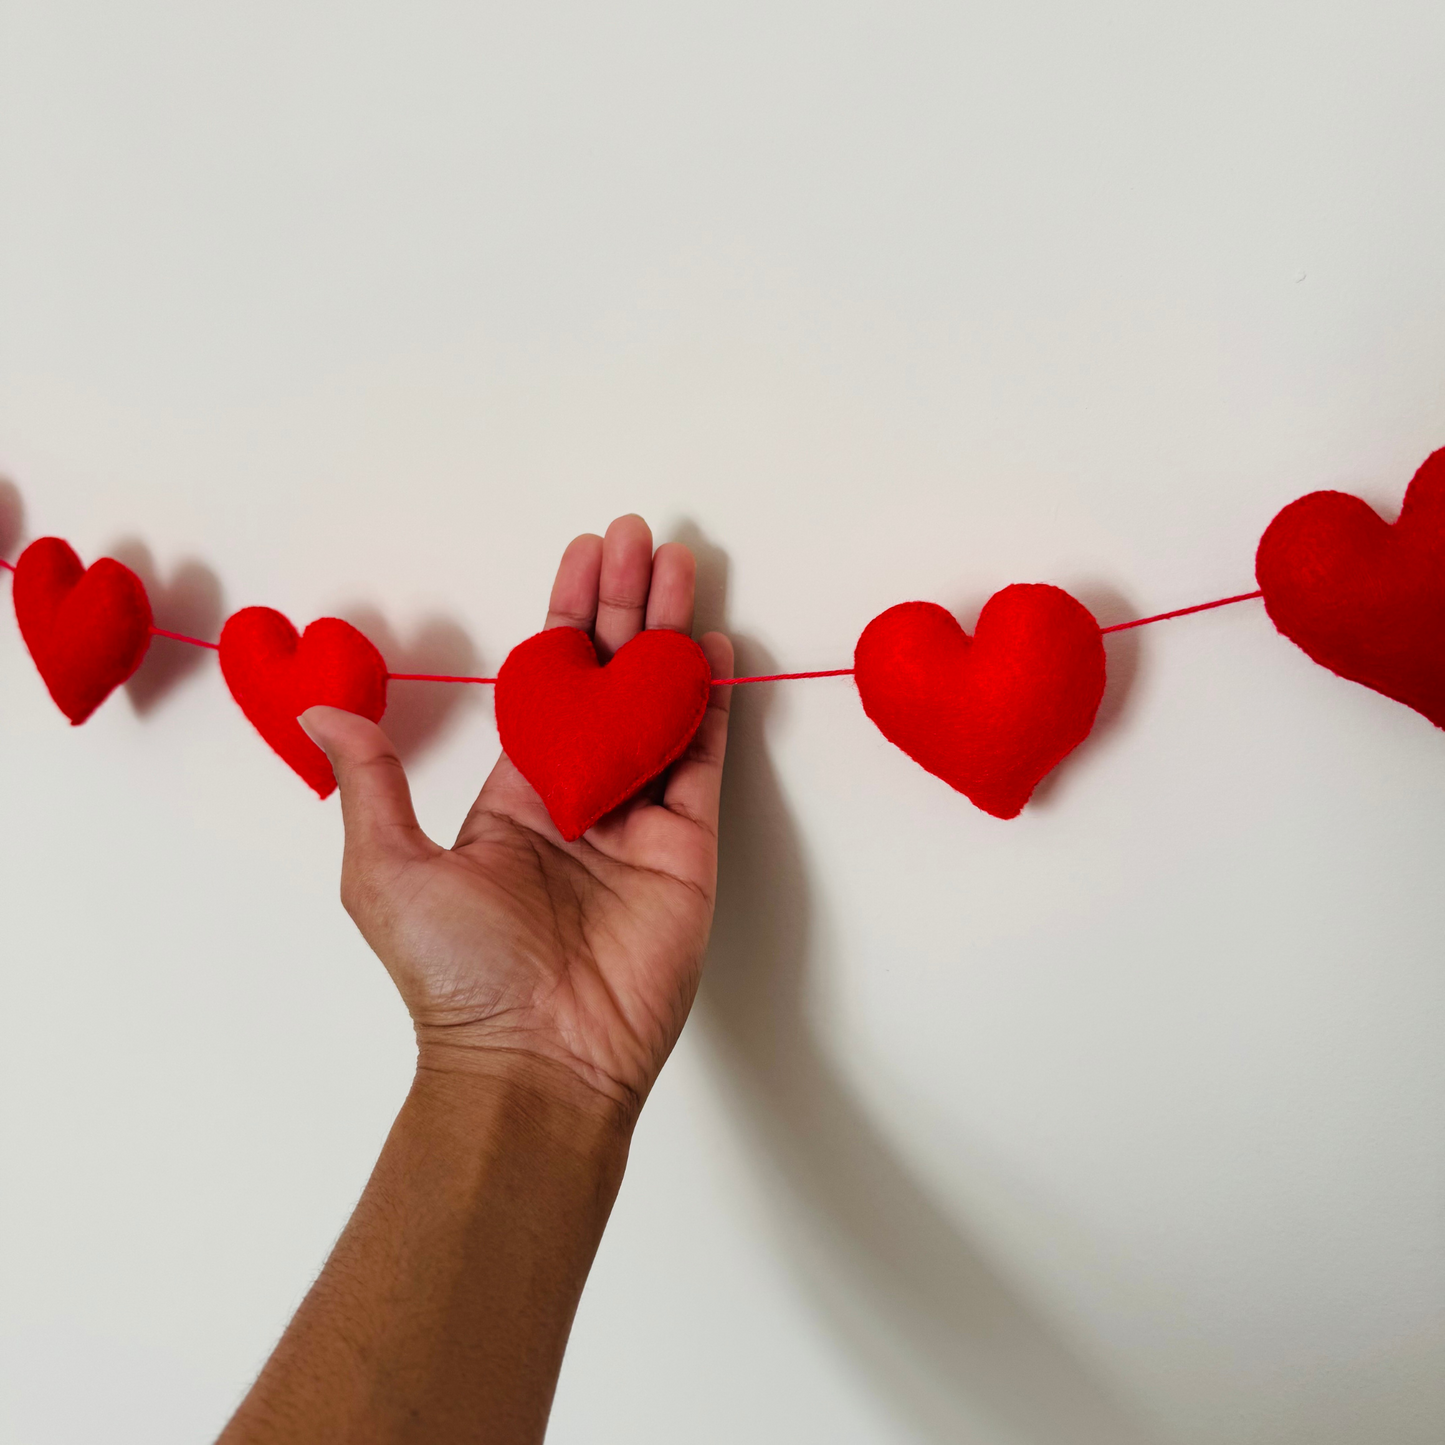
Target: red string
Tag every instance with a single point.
(725, 681)
(721, 682)
(434, 677)
(181, 637)
(1117, 627)
(783, 677)
(1182, 611)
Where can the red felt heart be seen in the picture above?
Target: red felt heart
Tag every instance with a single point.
(1361, 596)
(86, 628)
(587, 736)
(274, 675)
(991, 714)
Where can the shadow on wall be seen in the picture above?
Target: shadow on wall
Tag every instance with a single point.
(941, 1333)
(12, 519)
(190, 602)
(418, 714)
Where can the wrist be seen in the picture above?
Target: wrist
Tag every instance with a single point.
(524, 1091)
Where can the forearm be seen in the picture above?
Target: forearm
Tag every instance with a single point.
(443, 1311)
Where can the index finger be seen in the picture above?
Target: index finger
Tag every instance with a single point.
(574, 592)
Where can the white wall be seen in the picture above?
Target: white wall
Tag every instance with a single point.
(1120, 1124)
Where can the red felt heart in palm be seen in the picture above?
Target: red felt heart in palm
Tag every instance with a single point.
(1365, 598)
(87, 629)
(587, 737)
(274, 675)
(993, 713)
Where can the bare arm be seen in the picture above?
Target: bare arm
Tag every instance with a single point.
(548, 982)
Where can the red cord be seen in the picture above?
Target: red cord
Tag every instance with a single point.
(783, 677)
(181, 637)
(721, 682)
(1182, 611)
(434, 677)
(1117, 627)
(726, 681)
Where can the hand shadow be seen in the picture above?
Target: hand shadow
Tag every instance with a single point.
(418, 713)
(942, 1333)
(12, 519)
(190, 602)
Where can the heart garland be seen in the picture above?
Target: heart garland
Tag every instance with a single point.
(990, 714)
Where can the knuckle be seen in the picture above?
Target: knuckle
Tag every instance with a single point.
(620, 601)
(705, 755)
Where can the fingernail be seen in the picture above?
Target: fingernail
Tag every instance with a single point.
(301, 723)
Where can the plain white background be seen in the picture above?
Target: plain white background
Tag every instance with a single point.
(1119, 1124)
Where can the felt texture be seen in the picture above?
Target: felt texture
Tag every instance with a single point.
(274, 675)
(1364, 597)
(588, 736)
(87, 628)
(990, 714)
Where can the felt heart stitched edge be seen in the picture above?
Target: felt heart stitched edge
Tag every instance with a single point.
(991, 714)
(275, 674)
(87, 628)
(588, 736)
(1362, 596)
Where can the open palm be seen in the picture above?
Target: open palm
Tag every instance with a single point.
(513, 942)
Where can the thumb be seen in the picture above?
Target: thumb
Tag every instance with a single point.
(376, 805)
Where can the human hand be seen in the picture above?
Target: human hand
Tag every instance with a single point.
(514, 949)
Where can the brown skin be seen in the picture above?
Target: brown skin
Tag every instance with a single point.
(548, 982)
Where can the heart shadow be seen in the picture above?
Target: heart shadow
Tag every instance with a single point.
(191, 603)
(419, 714)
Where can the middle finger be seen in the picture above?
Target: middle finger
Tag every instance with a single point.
(623, 584)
